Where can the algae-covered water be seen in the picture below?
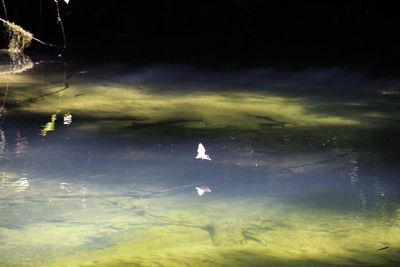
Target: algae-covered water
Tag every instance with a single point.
(98, 167)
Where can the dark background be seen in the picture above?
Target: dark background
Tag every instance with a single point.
(242, 32)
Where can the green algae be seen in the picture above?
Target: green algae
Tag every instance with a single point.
(180, 232)
(142, 107)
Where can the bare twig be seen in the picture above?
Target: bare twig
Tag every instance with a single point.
(33, 38)
(5, 9)
(59, 20)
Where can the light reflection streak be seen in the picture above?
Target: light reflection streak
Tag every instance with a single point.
(353, 174)
(49, 126)
(21, 184)
(3, 144)
(67, 119)
(83, 191)
(18, 62)
(21, 145)
(17, 185)
(66, 187)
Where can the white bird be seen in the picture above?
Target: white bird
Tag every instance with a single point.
(201, 153)
(202, 189)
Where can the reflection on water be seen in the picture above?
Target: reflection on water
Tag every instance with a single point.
(49, 126)
(293, 181)
(17, 62)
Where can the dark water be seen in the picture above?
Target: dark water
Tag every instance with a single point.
(304, 168)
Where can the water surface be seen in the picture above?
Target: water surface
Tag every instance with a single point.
(304, 168)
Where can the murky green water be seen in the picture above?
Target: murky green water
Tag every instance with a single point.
(304, 168)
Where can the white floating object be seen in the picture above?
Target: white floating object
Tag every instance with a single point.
(202, 189)
(201, 153)
(67, 119)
